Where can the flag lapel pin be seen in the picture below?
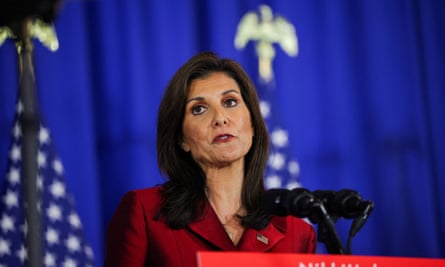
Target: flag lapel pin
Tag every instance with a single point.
(262, 238)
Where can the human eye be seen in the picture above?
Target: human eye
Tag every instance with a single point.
(231, 102)
(198, 109)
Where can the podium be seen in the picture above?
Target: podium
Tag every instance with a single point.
(255, 259)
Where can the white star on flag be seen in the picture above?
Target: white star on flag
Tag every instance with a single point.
(64, 242)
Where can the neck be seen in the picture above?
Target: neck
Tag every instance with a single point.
(223, 189)
(224, 196)
(224, 185)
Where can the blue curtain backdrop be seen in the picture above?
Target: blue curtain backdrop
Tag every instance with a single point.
(363, 103)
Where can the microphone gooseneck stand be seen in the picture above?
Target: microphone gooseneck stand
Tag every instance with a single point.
(326, 232)
(358, 223)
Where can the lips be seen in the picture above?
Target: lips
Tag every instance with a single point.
(222, 138)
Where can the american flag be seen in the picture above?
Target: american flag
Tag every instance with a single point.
(283, 169)
(62, 231)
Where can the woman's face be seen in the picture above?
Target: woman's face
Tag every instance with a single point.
(217, 128)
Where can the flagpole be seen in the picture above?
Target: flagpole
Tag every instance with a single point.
(21, 21)
(29, 120)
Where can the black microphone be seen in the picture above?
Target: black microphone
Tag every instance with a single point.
(345, 203)
(349, 203)
(298, 202)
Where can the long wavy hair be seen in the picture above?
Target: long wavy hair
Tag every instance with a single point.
(183, 194)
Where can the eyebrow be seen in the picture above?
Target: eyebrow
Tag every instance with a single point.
(199, 98)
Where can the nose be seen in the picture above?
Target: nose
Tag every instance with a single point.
(219, 118)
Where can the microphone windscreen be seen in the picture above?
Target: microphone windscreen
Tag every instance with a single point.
(274, 202)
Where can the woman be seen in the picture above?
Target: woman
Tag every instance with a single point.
(212, 147)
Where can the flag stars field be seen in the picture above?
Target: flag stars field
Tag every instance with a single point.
(64, 243)
(282, 169)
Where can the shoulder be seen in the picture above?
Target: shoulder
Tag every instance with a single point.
(125, 242)
(147, 198)
(150, 193)
(135, 207)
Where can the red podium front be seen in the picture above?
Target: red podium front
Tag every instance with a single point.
(252, 259)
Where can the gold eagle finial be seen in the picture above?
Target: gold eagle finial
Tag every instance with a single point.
(266, 30)
(44, 32)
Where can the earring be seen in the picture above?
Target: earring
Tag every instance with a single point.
(185, 147)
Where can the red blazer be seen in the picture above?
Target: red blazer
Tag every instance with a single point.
(135, 239)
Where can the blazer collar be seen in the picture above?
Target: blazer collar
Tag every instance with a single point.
(211, 229)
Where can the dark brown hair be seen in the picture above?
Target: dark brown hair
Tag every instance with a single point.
(183, 195)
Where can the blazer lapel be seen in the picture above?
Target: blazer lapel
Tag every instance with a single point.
(264, 239)
(211, 229)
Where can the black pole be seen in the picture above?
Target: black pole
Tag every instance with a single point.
(18, 16)
(29, 120)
